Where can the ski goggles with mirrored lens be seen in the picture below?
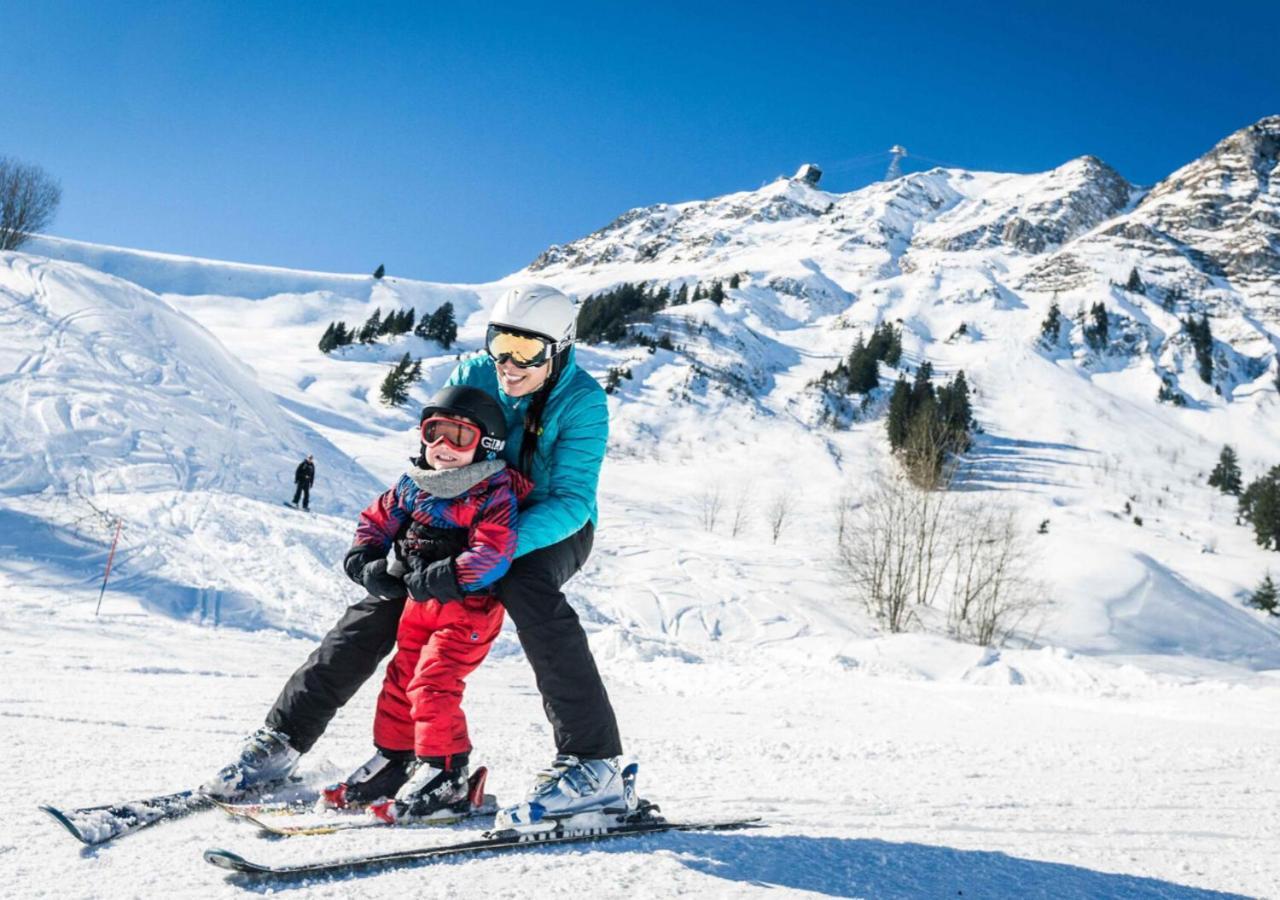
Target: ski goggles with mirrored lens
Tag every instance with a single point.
(523, 350)
(457, 434)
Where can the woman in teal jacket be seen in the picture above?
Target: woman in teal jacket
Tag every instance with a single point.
(557, 426)
(565, 464)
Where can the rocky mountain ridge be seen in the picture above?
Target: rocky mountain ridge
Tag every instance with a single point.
(1203, 242)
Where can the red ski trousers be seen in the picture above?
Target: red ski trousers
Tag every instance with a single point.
(437, 646)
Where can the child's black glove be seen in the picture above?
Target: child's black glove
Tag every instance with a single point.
(430, 543)
(432, 581)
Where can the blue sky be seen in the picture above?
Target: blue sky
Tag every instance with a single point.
(455, 141)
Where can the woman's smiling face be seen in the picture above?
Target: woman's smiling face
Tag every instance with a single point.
(517, 382)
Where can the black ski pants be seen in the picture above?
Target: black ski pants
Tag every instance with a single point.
(573, 694)
(304, 491)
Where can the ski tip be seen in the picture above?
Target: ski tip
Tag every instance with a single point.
(233, 862)
(60, 817)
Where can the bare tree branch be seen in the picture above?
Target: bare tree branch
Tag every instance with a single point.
(29, 199)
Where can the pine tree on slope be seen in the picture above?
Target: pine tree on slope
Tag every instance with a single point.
(1226, 474)
(1265, 598)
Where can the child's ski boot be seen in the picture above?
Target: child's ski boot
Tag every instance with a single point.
(378, 779)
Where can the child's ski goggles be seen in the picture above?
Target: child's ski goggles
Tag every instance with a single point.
(458, 435)
(523, 350)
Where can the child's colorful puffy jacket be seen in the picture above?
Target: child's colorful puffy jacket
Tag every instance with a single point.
(481, 498)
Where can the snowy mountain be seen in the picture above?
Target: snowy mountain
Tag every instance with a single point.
(177, 395)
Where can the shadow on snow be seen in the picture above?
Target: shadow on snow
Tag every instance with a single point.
(848, 867)
(994, 460)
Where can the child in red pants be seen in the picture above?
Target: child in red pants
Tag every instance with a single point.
(457, 513)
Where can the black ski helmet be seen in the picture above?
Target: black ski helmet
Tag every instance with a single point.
(479, 407)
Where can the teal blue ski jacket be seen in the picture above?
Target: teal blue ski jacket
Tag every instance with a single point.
(566, 465)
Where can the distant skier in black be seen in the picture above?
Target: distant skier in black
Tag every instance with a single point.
(304, 476)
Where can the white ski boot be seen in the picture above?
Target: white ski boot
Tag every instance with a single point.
(573, 795)
(266, 759)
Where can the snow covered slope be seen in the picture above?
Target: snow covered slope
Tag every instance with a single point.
(1072, 434)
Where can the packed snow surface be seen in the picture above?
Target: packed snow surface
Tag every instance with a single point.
(1123, 743)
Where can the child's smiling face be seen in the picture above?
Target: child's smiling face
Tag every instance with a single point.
(441, 456)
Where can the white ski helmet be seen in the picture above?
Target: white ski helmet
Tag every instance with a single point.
(538, 309)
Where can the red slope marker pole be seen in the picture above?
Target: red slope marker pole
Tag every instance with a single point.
(110, 558)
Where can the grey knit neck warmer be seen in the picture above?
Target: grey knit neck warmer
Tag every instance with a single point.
(450, 483)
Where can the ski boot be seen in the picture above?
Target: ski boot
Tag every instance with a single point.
(435, 795)
(378, 779)
(574, 795)
(266, 760)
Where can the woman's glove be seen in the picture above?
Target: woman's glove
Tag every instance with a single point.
(380, 583)
(357, 558)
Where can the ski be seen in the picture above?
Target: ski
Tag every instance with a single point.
(331, 821)
(508, 839)
(299, 807)
(94, 825)
(283, 822)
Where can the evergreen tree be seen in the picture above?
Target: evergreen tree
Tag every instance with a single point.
(863, 372)
(1096, 332)
(957, 411)
(1260, 507)
(342, 335)
(1264, 598)
(682, 295)
(1226, 474)
(605, 316)
(1051, 327)
(734, 281)
(1202, 342)
(1134, 285)
(885, 344)
(372, 327)
(380, 271)
(717, 293)
(899, 419)
(327, 340)
(893, 348)
(922, 387)
(441, 326)
(395, 387)
(389, 325)
(406, 321)
(926, 425)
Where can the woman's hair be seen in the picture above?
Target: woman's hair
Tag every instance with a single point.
(533, 418)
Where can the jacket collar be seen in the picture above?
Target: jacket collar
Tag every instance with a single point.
(450, 483)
